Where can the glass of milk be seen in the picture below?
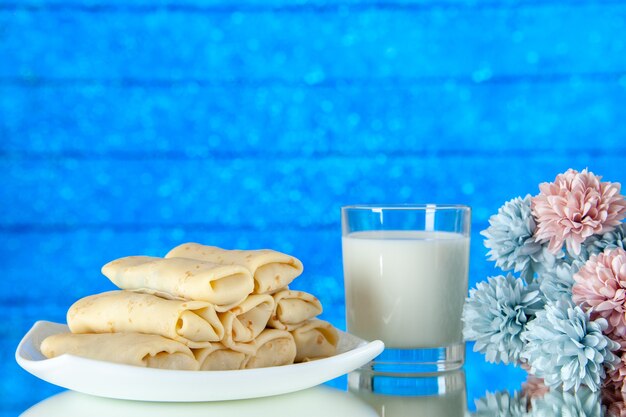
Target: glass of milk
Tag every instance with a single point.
(406, 276)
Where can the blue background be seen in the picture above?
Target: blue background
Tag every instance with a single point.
(128, 127)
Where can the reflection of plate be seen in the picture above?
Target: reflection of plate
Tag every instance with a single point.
(313, 402)
(114, 380)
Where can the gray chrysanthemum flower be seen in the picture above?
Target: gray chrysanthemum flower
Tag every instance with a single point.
(510, 240)
(566, 348)
(583, 403)
(501, 404)
(557, 282)
(596, 244)
(496, 313)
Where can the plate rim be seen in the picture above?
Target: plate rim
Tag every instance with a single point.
(312, 372)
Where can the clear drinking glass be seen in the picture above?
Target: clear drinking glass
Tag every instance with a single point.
(406, 277)
(436, 395)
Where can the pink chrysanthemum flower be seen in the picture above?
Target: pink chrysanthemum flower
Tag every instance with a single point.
(611, 395)
(534, 387)
(575, 206)
(616, 378)
(614, 401)
(600, 288)
(617, 409)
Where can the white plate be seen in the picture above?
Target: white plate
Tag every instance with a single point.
(112, 380)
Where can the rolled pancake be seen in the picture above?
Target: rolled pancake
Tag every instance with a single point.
(243, 323)
(271, 269)
(316, 339)
(218, 357)
(194, 323)
(293, 308)
(136, 349)
(190, 279)
(274, 348)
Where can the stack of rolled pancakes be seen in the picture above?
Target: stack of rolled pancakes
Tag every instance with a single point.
(199, 308)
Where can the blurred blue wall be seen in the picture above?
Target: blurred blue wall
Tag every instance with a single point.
(127, 127)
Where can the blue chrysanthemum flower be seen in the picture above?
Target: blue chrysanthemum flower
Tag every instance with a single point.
(510, 240)
(583, 403)
(596, 244)
(501, 404)
(557, 282)
(496, 313)
(566, 348)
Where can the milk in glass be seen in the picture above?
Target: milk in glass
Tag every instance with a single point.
(406, 288)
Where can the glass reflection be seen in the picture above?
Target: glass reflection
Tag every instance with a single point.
(436, 395)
